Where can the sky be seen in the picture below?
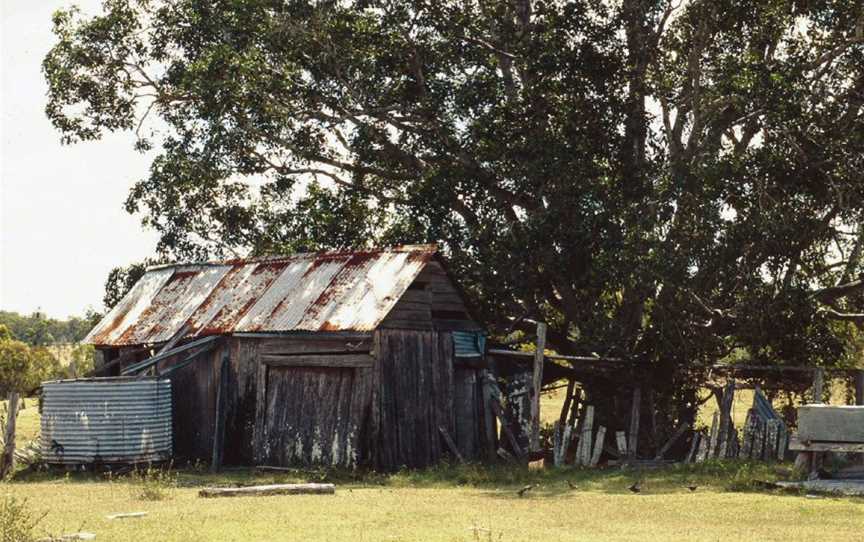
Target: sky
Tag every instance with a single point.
(62, 222)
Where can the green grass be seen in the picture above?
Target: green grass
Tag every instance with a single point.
(445, 503)
(452, 503)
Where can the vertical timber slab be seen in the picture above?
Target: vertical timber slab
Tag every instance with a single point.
(747, 436)
(725, 418)
(260, 412)
(694, 445)
(704, 444)
(537, 385)
(621, 441)
(635, 411)
(490, 440)
(219, 422)
(585, 439)
(598, 446)
(758, 439)
(715, 430)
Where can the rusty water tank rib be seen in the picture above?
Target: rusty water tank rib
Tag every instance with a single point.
(109, 420)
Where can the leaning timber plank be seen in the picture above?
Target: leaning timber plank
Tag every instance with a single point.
(448, 440)
(556, 443)
(621, 440)
(273, 489)
(633, 440)
(704, 444)
(505, 427)
(694, 445)
(715, 431)
(140, 366)
(598, 446)
(318, 360)
(782, 438)
(565, 443)
(672, 440)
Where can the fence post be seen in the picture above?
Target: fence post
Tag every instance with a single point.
(538, 383)
(7, 459)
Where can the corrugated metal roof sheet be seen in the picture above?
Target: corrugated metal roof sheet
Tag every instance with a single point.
(334, 291)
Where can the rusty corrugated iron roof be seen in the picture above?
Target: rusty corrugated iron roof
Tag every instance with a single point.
(328, 291)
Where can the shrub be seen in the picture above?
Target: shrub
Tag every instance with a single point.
(17, 522)
(153, 484)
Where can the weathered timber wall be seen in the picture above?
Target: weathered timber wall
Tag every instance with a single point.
(414, 396)
(431, 302)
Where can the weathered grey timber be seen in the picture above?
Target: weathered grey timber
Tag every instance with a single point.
(337, 359)
(268, 490)
(831, 423)
(635, 412)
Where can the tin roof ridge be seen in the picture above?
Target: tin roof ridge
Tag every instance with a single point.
(426, 247)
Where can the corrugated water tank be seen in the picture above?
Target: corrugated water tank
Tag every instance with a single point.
(106, 420)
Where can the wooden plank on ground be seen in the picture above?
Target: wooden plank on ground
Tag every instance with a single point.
(267, 490)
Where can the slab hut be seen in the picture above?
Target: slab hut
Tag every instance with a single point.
(341, 358)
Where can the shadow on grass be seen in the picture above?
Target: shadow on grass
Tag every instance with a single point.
(502, 481)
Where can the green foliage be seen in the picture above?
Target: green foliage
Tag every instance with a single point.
(17, 522)
(23, 368)
(669, 184)
(40, 330)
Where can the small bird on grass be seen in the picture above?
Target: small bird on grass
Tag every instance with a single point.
(572, 485)
(524, 490)
(636, 487)
(692, 486)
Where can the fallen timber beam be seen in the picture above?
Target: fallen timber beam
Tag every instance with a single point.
(140, 366)
(268, 490)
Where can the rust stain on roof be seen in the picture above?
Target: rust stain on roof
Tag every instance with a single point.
(328, 291)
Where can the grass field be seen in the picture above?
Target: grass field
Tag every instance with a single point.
(452, 504)
(446, 503)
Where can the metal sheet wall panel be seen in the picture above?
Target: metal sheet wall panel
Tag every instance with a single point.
(108, 420)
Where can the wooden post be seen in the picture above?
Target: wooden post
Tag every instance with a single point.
(219, 428)
(859, 387)
(747, 436)
(633, 441)
(781, 441)
(818, 383)
(568, 400)
(715, 430)
(704, 443)
(598, 446)
(538, 383)
(584, 450)
(7, 459)
(725, 419)
(488, 416)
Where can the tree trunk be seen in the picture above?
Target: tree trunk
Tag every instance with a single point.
(7, 459)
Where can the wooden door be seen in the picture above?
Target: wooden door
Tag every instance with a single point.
(312, 416)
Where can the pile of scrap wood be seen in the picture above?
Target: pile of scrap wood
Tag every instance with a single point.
(764, 435)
